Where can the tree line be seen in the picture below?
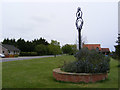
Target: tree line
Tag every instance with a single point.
(40, 47)
(25, 46)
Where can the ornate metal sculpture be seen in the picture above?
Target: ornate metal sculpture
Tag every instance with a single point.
(79, 20)
(79, 24)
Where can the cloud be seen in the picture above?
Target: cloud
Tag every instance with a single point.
(40, 19)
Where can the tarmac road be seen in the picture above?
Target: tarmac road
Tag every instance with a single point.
(23, 58)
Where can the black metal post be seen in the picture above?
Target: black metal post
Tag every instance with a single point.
(79, 37)
(79, 24)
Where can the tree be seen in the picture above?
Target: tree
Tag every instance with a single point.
(41, 49)
(117, 51)
(54, 48)
(117, 48)
(29, 46)
(21, 44)
(25, 46)
(74, 49)
(40, 41)
(69, 49)
(9, 41)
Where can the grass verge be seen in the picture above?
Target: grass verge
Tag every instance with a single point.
(37, 73)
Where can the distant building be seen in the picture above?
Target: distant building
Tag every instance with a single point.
(9, 49)
(97, 47)
(105, 51)
(92, 46)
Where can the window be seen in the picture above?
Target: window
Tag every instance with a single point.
(97, 49)
(8, 51)
(3, 51)
(86, 47)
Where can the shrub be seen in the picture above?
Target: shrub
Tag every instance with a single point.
(54, 49)
(69, 49)
(88, 62)
(117, 51)
(11, 55)
(16, 55)
(28, 53)
(41, 49)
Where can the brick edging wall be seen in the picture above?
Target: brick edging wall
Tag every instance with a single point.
(78, 77)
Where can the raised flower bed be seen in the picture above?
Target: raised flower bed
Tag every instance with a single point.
(78, 77)
(90, 66)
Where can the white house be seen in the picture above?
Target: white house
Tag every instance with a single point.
(9, 49)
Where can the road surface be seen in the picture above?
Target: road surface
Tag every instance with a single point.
(23, 58)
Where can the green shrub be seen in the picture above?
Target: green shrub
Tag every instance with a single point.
(41, 49)
(88, 62)
(117, 52)
(16, 55)
(28, 53)
(69, 49)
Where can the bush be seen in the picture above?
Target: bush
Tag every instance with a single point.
(28, 53)
(11, 55)
(41, 49)
(54, 49)
(116, 54)
(16, 55)
(69, 49)
(88, 62)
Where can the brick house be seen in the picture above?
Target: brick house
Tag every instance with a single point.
(97, 47)
(8, 50)
(92, 46)
(105, 51)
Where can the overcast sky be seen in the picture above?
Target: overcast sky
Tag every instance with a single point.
(56, 20)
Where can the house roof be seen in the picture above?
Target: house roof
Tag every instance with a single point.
(105, 50)
(92, 46)
(10, 47)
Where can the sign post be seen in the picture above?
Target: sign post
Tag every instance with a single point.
(79, 24)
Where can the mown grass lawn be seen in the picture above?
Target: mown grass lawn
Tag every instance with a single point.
(37, 73)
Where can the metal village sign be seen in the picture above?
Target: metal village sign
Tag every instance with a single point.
(79, 24)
